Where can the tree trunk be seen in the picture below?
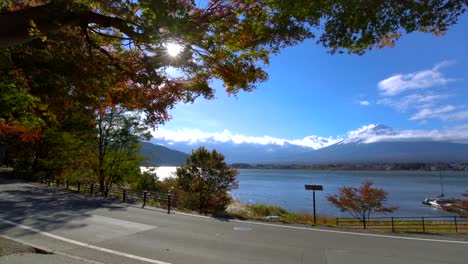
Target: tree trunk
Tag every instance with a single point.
(201, 203)
(101, 186)
(2, 154)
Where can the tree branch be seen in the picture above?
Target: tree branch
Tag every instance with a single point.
(19, 27)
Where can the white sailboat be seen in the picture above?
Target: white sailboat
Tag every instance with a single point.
(440, 201)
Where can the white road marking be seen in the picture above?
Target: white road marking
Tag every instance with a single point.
(333, 231)
(71, 241)
(52, 251)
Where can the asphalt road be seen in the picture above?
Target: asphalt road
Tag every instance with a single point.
(99, 230)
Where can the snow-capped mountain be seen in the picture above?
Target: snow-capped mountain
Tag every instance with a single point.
(239, 148)
(242, 152)
(367, 133)
(369, 144)
(380, 143)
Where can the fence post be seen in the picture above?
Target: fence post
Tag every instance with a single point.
(424, 227)
(57, 182)
(168, 204)
(364, 222)
(68, 184)
(393, 226)
(79, 185)
(455, 222)
(91, 189)
(48, 182)
(124, 195)
(145, 196)
(337, 219)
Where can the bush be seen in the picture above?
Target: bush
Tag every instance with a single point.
(205, 181)
(262, 209)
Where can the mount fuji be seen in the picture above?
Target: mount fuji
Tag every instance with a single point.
(379, 143)
(369, 144)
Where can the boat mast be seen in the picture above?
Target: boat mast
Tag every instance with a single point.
(441, 183)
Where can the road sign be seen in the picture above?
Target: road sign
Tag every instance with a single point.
(314, 187)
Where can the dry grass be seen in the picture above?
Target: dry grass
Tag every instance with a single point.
(264, 212)
(269, 212)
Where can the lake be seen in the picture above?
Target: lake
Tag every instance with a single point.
(406, 189)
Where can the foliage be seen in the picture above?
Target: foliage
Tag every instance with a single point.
(63, 60)
(361, 202)
(117, 146)
(146, 181)
(205, 180)
(99, 53)
(65, 154)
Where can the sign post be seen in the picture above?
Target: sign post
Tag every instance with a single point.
(314, 188)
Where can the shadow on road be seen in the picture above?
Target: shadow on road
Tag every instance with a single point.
(45, 209)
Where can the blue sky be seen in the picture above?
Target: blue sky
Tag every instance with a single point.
(420, 85)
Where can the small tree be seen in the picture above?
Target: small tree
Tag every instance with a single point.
(361, 202)
(117, 146)
(206, 179)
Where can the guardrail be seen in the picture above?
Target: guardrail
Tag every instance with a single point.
(421, 224)
(164, 200)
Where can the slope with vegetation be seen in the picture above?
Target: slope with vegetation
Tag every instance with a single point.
(161, 156)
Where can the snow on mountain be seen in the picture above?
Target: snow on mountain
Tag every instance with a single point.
(380, 143)
(241, 152)
(197, 137)
(370, 143)
(368, 134)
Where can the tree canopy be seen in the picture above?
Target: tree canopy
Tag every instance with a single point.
(361, 202)
(96, 53)
(62, 62)
(206, 179)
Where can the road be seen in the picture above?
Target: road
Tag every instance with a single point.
(107, 232)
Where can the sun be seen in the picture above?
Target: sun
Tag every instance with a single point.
(173, 49)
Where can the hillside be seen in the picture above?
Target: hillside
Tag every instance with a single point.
(161, 156)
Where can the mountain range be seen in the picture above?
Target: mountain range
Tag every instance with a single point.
(160, 155)
(374, 143)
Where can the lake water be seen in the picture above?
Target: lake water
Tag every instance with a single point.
(406, 189)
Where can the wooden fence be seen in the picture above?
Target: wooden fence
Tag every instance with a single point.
(420, 224)
(163, 200)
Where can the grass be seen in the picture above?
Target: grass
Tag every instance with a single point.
(264, 212)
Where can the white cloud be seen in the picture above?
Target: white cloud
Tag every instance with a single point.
(412, 101)
(411, 81)
(195, 135)
(461, 115)
(428, 113)
(456, 134)
(364, 103)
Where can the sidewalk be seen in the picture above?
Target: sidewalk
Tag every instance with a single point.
(12, 252)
